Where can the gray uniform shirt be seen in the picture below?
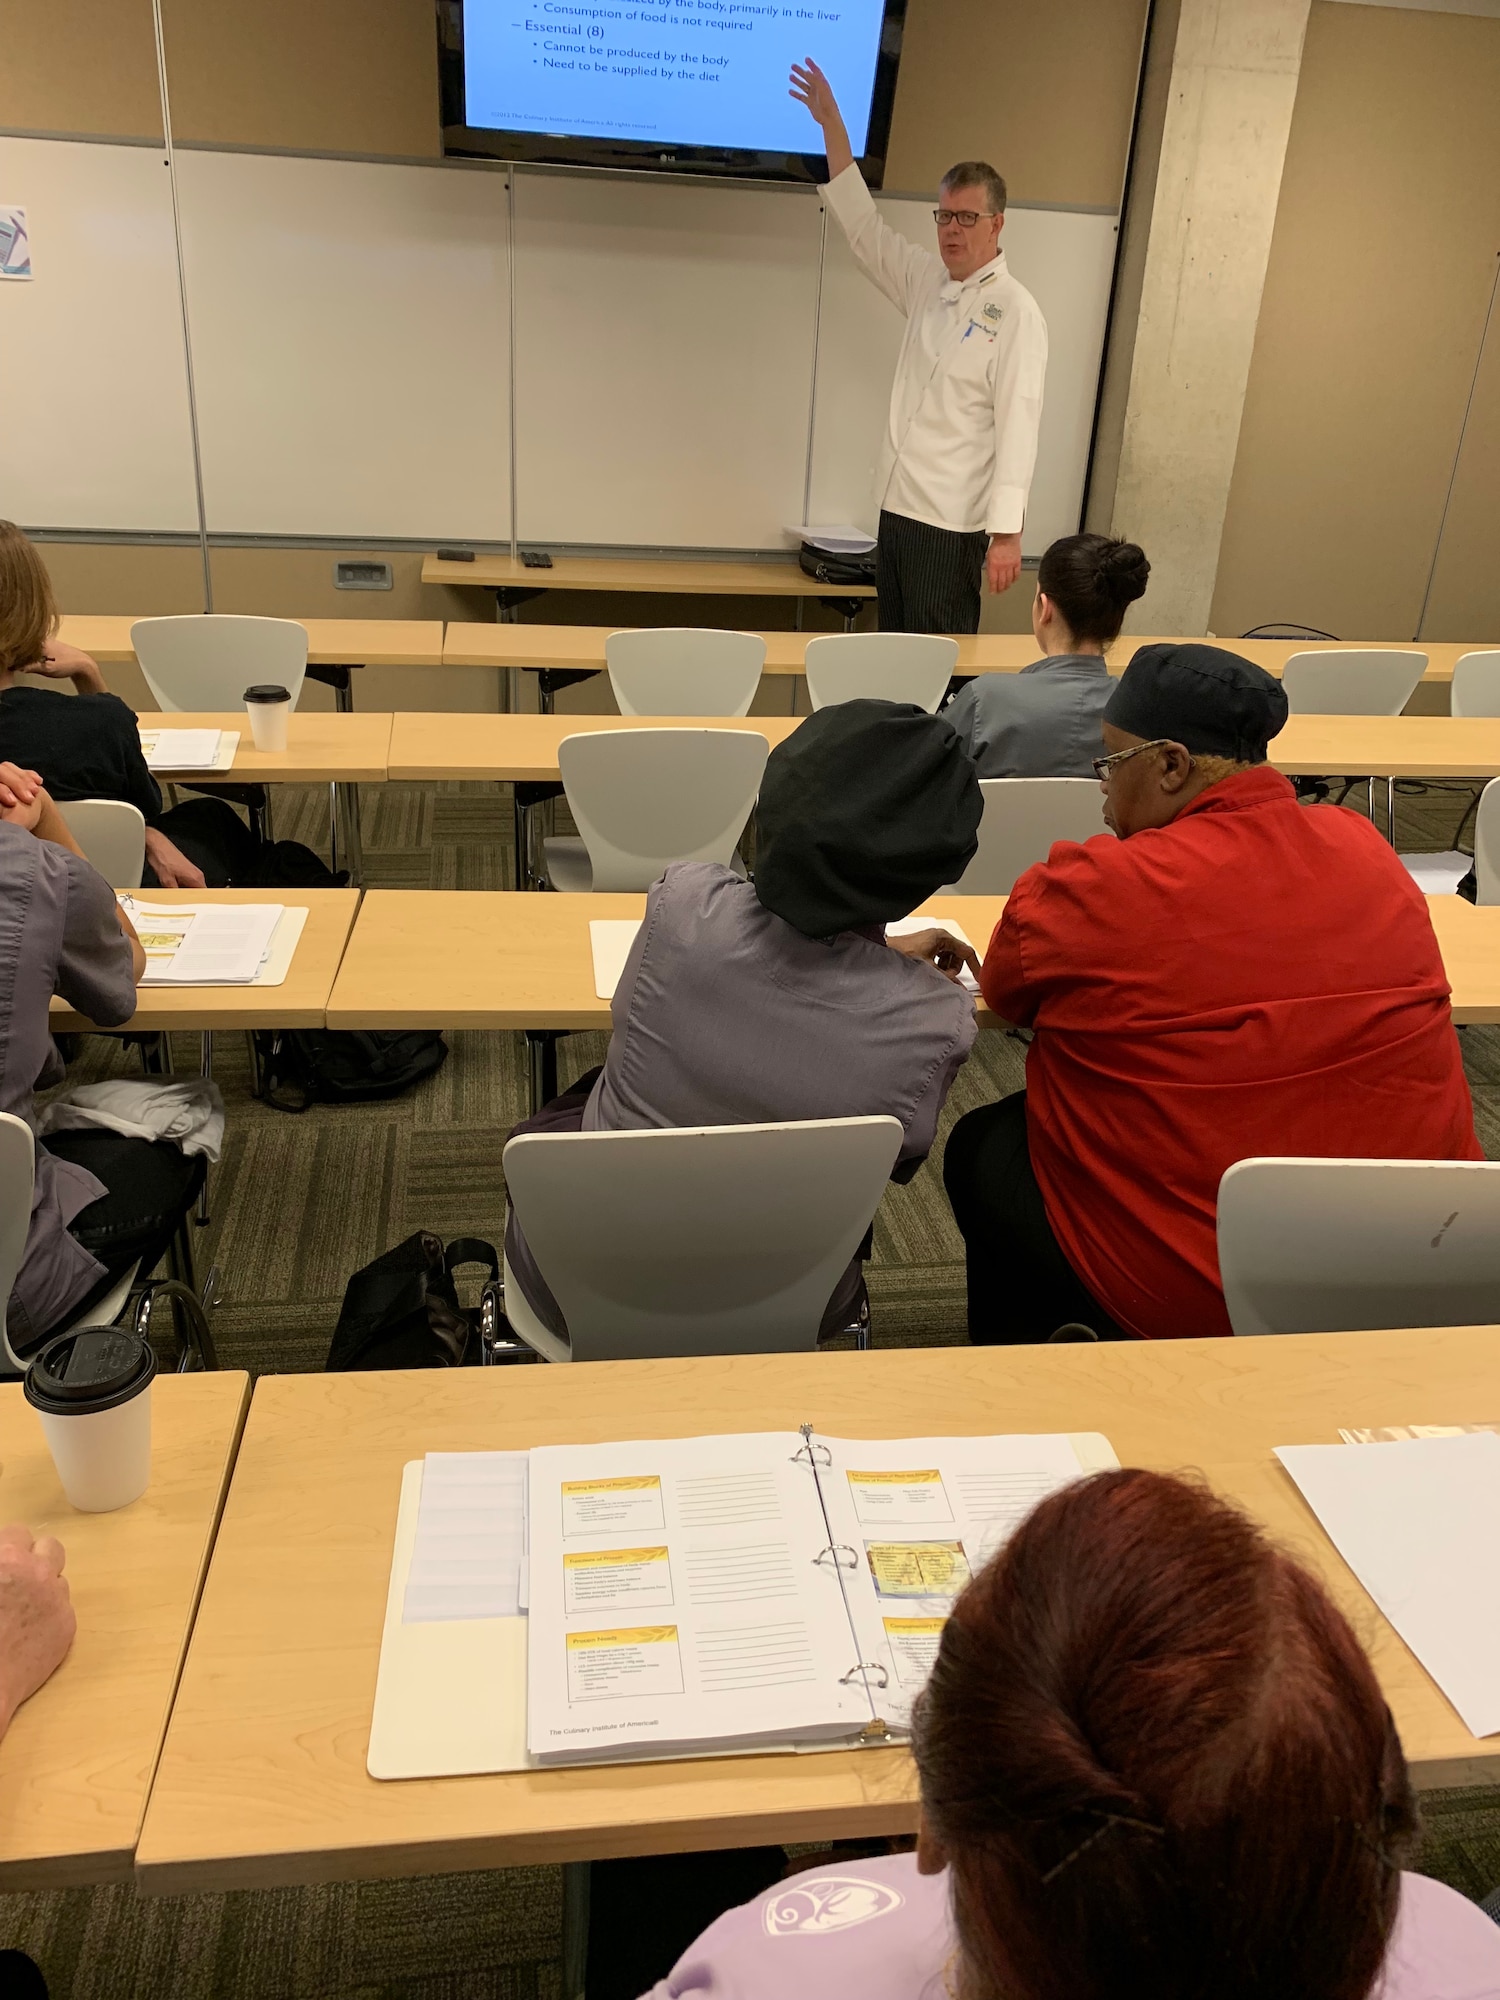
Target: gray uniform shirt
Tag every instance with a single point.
(1044, 722)
(725, 1015)
(58, 934)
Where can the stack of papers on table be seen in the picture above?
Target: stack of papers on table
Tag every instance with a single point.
(610, 939)
(1415, 1522)
(207, 944)
(189, 749)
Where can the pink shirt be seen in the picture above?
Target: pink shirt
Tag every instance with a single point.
(881, 1931)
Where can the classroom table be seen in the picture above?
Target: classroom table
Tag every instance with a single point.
(321, 749)
(300, 1001)
(77, 1762)
(481, 958)
(262, 1779)
(513, 582)
(336, 647)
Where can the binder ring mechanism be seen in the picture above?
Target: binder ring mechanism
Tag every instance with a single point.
(812, 1451)
(863, 1670)
(839, 1554)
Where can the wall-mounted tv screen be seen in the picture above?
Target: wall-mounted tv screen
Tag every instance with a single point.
(685, 86)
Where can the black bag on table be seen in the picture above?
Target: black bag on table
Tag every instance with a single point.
(402, 1311)
(836, 570)
(303, 1066)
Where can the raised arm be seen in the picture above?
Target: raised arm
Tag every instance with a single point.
(898, 267)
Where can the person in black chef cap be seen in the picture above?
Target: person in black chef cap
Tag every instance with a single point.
(1234, 976)
(752, 1003)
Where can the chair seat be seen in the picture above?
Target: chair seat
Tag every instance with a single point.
(105, 1311)
(569, 871)
(526, 1326)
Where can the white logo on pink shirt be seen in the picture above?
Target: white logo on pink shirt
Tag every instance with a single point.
(828, 1903)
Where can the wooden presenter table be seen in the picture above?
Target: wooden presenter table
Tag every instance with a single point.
(77, 1762)
(680, 577)
(300, 1001)
(262, 1778)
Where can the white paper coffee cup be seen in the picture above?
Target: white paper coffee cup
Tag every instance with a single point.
(92, 1392)
(268, 707)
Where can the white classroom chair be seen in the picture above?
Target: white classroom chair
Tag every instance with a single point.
(112, 834)
(1487, 845)
(1346, 1246)
(1356, 680)
(1022, 818)
(684, 670)
(641, 798)
(206, 661)
(880, 666)
(1476, 683)
(720, 1239)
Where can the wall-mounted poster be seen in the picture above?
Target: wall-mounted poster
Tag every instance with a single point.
(15, 244)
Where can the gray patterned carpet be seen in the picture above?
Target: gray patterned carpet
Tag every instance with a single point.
(301, 1202)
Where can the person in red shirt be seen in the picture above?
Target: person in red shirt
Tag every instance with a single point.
(1236, 975)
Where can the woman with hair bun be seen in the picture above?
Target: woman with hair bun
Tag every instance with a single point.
(1045, 721)
(1155, 1765)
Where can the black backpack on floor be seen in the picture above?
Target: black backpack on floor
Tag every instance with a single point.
(402, 1311)
(303, 1066)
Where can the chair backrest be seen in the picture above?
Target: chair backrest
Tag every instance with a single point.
(1476, 683)
(880, 666)
(17, 1165)
(1022, 818)
(1487, 845)
(207, 661)
(112, 834)
(1368, 680)
(723, 1239)
(1342, 1246)
(644, 797)
(681, 670)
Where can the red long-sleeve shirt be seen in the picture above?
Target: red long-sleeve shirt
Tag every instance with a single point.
(1258, 977)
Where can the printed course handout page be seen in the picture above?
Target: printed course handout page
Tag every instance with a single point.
(920, 1516)
(677, 1598)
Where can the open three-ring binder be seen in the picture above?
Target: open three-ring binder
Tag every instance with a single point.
(771, 1591)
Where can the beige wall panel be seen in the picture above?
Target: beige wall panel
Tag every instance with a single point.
(1374, 300)
(1042, 89)
(1465, 602)
(345, 76)
(80, 66)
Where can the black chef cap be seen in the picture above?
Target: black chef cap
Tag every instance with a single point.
(1212, 702)
(865, 810)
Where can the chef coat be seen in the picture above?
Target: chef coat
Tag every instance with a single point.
(960, 442)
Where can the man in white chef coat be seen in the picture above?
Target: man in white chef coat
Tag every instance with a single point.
(956, 461)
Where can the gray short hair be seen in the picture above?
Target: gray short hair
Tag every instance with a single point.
(978, 174)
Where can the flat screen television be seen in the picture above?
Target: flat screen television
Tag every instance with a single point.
(668, 86)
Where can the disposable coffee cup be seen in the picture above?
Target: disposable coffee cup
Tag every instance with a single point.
(92, 1391)
(268, 707)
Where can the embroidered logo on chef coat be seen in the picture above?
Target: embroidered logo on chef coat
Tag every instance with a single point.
(992, 311)
(828, 1903)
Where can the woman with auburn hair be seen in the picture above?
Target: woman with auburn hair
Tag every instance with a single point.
(1155, 1765)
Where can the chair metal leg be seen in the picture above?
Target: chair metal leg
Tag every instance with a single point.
(333, 827)
(575, 1930)
(206, 1064)
(1390, 809)
(1370, 795)
(354, 843)
(541, 1048)
(522, 815)
(189, 1318)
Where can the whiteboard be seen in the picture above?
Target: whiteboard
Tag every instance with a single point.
(1065, 259)
(351, 326)
(96, 428)
(664, 357)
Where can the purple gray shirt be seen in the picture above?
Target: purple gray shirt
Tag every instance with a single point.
(880, 1931)
(59, 933)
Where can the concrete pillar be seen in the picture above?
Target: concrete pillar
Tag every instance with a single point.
(1197, 240)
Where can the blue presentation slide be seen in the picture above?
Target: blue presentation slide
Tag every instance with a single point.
(677, 72)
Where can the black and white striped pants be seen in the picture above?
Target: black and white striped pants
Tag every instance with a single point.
(927, 579)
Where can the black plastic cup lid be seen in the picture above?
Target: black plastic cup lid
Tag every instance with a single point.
(77, 1374)
(267, 691)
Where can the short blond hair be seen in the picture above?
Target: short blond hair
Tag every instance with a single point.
(28, 610)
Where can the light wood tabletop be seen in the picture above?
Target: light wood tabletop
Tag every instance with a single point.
(300, 1001)
(1389, 746)
(77, 1762)
(675, 576)
(483, 958)
(322, 747)
(262, 1778)
(331, 642)
(524, 747)
(581, 648)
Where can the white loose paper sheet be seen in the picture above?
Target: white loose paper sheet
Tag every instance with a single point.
(470, 1550)
(1416, 1522)
(610, 939)
(189, 749)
